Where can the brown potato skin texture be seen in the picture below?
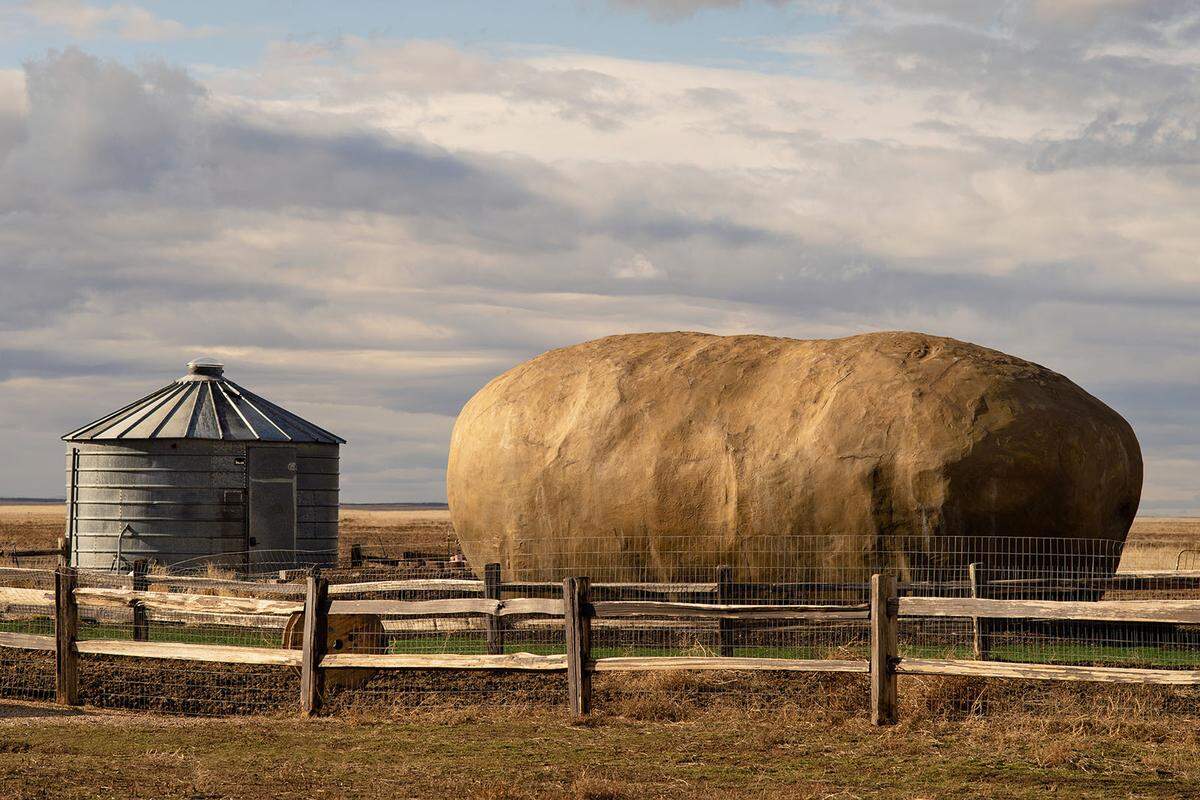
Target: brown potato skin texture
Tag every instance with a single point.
(659, 456)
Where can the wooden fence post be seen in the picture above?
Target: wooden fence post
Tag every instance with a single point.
(979, 644)
(316, 626)
(577, 618)
(884, 648)
(356, 556)
(495, 623)
(725, 627)
(64, 551)
(66, 631)
(141, 623)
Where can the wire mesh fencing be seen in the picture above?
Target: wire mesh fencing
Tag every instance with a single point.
(27, 673)
(219, 620)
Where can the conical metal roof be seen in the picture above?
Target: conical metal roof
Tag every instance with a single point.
(204, 404)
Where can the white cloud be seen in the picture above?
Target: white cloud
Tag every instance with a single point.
(637, 268)
(85, 21)
(677, 9)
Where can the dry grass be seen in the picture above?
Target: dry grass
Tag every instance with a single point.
(31, 527)
(802, 737)
(426, 532)
(392, 532)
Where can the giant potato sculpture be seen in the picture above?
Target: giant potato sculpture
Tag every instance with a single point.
(658, 456)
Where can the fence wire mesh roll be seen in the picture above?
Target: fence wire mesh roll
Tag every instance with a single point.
(261, 600)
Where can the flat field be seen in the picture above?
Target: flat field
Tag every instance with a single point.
(391, 530)
(1154, 543)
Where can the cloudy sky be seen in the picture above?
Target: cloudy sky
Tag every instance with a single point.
(368, 209)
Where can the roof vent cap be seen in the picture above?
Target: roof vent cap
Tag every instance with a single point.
(205, 366)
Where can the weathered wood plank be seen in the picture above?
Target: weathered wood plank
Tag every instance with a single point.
(884, 645)
(509, 661)
(428, 624)
(225, 654)
(1130, 581)
(977, 574)
(172, 601)
(316, 627)
(1177, 611)
(642, 608)
(416, 608)
(577, 626)
(656, 588)
(495, 625)
(10, 596)
(1056, 672)
(531, 605)
(410, 585)
(66, 631)
(654, 663)
(454, 605)
(726, 630)
(193, 582)
(26, 641)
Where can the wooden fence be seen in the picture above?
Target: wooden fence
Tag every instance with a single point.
(579, 604)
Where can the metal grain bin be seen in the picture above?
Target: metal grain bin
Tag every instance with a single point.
(201, 468)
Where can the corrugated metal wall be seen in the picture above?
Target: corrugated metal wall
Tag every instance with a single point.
(184, 499)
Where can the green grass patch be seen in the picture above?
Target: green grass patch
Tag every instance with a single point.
(1048, 652)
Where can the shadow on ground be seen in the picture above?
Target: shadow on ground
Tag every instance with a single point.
(32, 711)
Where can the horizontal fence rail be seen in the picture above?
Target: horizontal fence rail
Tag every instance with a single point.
(513, 661)
(1057, 672)
(658, 608)
(670, 663)
(1174, 611)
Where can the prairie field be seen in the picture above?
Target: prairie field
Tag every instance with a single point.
(1155, 543)
(957, 738)
(652, 735)
(426, 531)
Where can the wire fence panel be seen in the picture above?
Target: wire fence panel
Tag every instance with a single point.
(423, 610)
(187, 687)
(26, 673)
(1019, 568)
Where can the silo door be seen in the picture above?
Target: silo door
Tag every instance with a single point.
(271, 474)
